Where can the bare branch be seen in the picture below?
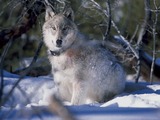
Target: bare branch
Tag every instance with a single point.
(109, 19)
(26, 23)
(1, 66)
(3, 101)
(143, 31)
(154, 43)
(27, 98)
(142, 36)
(134, 34)
(98, 7)
(57, 107)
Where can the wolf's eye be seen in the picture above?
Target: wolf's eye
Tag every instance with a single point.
(54, 28)
(65, 28)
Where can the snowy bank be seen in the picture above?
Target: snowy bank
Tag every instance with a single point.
(138, 102)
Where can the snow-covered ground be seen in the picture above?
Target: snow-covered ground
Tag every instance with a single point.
(138, 102)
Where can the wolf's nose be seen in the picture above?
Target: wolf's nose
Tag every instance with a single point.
(59, 43)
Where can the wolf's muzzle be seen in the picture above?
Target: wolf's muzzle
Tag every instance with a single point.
(59, 43)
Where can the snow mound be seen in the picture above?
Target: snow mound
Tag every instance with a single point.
(36, 91)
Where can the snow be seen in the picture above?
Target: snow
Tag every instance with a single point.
(139, 101)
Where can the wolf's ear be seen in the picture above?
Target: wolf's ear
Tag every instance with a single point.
(49, 13)
(69, 13)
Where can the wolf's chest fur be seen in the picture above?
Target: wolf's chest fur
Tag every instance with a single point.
(65, 60)
(64, 66)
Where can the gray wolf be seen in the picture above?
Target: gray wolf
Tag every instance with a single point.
(83, 70)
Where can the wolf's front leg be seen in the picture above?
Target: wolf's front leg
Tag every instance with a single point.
(79, 93)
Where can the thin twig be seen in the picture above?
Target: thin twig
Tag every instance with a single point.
(28, 20)
(21, 77)
(28, 101)
(145, 22)
(1, 66)
(142, 33)
(97, 6)
(125, 41)
(109, 20)
(134, 34)
(154, 44)
(57, 107)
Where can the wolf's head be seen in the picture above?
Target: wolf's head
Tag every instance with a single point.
(59, 30)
